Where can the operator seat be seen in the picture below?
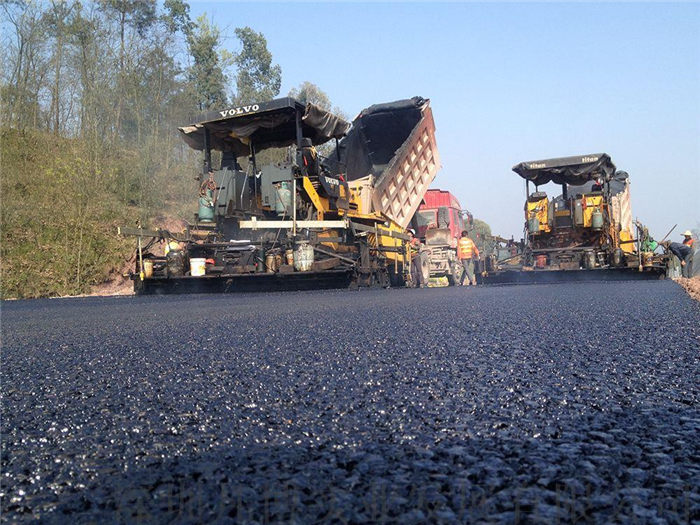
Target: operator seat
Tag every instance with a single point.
(310, 158)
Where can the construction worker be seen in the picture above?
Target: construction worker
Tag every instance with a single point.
(684, 254)
(414, 244)
(467, 252)
(688, 240)
(687, 263)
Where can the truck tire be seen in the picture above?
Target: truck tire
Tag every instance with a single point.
(424, 268)
(455, 275)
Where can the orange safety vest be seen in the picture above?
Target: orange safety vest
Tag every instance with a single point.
(689, 242)
(415, 246)
(466, 249)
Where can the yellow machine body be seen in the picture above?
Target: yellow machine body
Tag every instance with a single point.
(386, 241)
(591, 203)
(626, 242)
(540, 210)
(383, 229)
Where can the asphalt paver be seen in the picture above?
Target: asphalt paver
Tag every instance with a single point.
(546, 403)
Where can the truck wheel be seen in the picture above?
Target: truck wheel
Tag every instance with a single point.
(424, 268)
(451, 281)
(455, 275)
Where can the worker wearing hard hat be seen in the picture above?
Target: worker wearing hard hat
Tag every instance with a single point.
(687, 263)
(416, 270)
(688, 241)
(684, 252)
(467, 252)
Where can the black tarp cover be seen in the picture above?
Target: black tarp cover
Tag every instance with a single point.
(567, 170)
(376, 135)
(271, 125)
(617, 183)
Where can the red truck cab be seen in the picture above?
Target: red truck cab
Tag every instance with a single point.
(439, 223)
(439, 209)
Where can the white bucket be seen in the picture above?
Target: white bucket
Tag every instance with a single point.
(198, 267)
(303, 257)
(147, 268)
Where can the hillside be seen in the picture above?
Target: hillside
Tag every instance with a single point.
(62, 200)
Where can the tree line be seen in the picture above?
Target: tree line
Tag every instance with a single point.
(122, 70)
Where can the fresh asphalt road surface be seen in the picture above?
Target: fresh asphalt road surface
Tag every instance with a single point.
(570, 402)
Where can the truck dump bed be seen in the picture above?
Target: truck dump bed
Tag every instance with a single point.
(390, 152)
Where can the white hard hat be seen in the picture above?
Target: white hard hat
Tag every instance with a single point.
(411, 230)
(687, 233)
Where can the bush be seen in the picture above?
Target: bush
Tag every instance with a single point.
(60, 213)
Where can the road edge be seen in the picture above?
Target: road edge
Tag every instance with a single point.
(691, 286)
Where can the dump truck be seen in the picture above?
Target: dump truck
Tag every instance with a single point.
(438, 224)
(586, 231)
(304, 222)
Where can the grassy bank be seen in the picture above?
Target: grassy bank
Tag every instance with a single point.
(62, 200)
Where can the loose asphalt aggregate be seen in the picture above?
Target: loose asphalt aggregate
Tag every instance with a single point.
(536, 404)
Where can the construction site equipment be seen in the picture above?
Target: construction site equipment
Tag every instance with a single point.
(585, 232)
(342, 219)
(390, 157)
(438, 223)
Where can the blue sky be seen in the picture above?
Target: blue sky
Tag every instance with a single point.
(510, 82)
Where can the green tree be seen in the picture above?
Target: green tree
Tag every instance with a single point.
(138, 14)
(23, 63)
(482, 236)
(207, 74)
(177, 17)
(310, 92)
(58, 24)
(257, 79)
(93, 74)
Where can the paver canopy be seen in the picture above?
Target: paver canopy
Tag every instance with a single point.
(265, 125)
(567, 170)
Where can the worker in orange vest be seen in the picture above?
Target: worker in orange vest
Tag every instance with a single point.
(467, 252)
(688, 241)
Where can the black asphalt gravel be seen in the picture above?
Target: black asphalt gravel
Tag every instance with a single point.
(565, 402)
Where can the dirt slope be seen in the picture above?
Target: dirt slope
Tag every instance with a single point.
(692, 286)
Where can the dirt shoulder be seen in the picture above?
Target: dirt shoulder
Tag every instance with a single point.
(692, 286)
(119, 285)
(119, 282)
